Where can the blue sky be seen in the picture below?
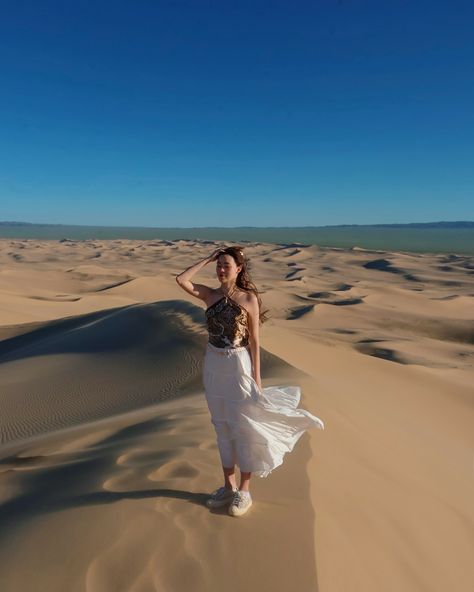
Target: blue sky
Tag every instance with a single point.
(153, 113)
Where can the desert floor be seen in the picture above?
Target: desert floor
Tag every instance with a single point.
(107, 451)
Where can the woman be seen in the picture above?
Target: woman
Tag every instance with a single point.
(255, 426)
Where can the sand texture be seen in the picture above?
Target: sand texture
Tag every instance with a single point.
(107, 452)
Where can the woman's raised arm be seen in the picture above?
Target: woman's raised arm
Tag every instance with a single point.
(184, 278)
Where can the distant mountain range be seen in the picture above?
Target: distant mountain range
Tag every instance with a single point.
(458, 224)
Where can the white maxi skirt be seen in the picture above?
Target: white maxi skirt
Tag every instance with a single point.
(254, 428)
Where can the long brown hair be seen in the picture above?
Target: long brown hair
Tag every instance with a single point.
(243, 277)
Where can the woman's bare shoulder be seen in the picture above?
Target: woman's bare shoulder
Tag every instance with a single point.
(250, 297)
(249, 301)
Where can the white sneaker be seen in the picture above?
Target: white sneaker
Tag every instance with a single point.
(240, 504)
(221, 497)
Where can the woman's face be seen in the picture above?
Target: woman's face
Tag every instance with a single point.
(226, 268)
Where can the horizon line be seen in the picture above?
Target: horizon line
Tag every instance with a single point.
(438, 222)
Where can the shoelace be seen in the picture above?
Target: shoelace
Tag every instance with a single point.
(219, 493)
(239, 498)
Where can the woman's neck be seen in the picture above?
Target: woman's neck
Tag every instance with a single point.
(228, 289)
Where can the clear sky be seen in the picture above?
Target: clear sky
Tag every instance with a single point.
(199, 113)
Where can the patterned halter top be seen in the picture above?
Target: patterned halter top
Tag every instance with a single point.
(227, 323)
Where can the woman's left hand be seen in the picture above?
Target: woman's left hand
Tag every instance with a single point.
(259, 383)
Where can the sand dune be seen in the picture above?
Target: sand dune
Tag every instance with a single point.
(105, 434)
